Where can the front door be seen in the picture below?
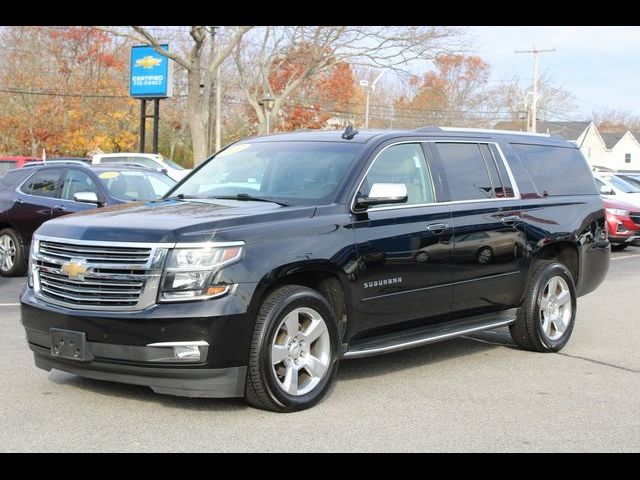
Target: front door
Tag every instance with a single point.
(489, 236)
(404, 250)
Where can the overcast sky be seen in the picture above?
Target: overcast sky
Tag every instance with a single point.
(600, 65)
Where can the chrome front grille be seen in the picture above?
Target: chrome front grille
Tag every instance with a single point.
(97, 275)
(101, 254)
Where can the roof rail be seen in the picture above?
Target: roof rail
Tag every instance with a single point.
(480, 130)
(56, 162)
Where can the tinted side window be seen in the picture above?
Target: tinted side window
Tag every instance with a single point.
(507, 188)
(403, 163)
(465, 171)
(44, 183)
(557, 170)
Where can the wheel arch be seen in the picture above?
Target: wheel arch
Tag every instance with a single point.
(323, 276)
(565, 252)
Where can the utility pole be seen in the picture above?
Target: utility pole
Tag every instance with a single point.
(531, 126)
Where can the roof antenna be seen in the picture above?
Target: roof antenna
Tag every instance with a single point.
(349, 132)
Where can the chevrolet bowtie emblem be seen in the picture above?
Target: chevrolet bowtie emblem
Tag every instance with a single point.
(74, 269)
(148, 62)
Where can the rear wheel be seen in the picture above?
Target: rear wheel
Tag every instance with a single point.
(545, 320)
(12, 259)
(294, 352)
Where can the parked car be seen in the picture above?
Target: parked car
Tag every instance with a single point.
(259, 282)
(623, 223)
(31, 196)
(9, 163)
(613, 187)
(149, 160)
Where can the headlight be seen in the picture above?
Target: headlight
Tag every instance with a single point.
(619, 212)
(189, 272)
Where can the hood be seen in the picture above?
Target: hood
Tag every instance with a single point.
(622, 205)
(168, 220)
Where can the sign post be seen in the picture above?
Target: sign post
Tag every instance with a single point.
(151, 78)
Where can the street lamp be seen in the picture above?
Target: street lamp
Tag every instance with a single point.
(267, 102)
(369, 89)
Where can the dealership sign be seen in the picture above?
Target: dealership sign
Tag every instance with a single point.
(151, 73)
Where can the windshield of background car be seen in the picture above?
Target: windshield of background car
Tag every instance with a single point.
(622, 185)
(298, 173)
(131, 185)
(172, 164)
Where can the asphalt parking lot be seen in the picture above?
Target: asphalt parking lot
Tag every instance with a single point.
(476, 393)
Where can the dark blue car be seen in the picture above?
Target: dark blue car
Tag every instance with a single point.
(31, 196)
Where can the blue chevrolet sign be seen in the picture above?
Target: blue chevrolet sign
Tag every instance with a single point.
(150, 75)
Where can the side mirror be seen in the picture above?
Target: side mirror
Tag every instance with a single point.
(384, 193)
(604, 190)
(86, 197)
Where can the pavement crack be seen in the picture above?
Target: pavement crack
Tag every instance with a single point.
(578, 357)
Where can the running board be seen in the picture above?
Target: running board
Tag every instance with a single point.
(416, 337)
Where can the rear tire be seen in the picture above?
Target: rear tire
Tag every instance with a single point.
(13, 262)
(546, 318)
(294, 351)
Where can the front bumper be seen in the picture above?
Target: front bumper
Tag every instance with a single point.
(182, 382)
(118, 343)
(631, 239)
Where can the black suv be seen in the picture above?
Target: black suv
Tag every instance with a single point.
(39, 192)
(283, 254)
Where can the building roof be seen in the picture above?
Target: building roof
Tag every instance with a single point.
(568, 130)
(611, 138)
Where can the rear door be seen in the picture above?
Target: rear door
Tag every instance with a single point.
(35, 200)
(404, 250)
(489, 237)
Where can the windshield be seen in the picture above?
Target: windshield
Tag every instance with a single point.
(172, 164)
(622, 185)
(131, 185)
(632, 180)
(302, 173)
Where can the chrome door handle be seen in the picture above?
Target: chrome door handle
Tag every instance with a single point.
(437, 227)
(19, 201)
(510, 220)
(60, 208)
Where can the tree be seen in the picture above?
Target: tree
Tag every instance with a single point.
(65, 90)
(511, 98)
(615, 121)
(200, 66)
(451, 94)
(260, 55)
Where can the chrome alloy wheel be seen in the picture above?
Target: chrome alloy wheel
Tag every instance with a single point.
(7, 253)
(300, 351)
(555, 308)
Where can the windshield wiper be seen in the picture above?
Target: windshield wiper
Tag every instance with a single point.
(246, 197)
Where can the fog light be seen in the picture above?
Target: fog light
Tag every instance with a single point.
(191, 351)
(187, 352)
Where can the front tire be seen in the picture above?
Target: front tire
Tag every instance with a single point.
(12, 258)
(546, 318)
(294, 351)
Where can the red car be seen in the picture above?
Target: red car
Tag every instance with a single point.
(623, 223)
(9, 163)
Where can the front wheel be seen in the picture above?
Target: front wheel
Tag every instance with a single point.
(12, 258)
(545, 320)
(294, 351)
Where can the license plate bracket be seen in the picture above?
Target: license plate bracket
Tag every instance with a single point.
(70, 344)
